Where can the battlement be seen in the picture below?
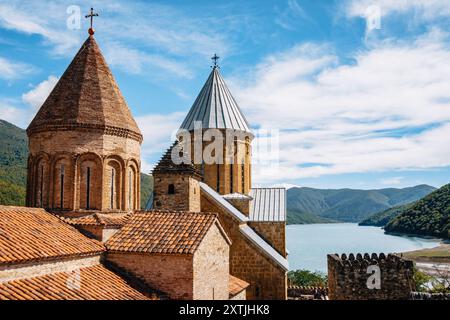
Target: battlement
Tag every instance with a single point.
(364, 260)
(369, 276)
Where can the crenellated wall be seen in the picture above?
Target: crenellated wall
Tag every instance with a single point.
(369, 277)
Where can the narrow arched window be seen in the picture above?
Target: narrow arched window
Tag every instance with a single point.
(41, 187)
(113, 173)
(88, 187)
(61, 189)
(130, 190)
(171, 189)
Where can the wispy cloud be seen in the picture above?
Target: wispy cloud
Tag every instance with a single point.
(12, 70)
(164, 38)
(36, 96)
(384, 112)
(423, 9)
(21, 112)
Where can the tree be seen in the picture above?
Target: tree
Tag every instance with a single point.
(307, 278)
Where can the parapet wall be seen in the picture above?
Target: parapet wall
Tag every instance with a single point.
(369, 277)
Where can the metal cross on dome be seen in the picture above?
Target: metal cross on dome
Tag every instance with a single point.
(215, 58)
(91, 15)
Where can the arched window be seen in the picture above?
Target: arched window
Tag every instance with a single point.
(88, 188)
(171, 189)
(89, 179)
(61, 186)
(41, 185)
(131, 188)
(62, 179)
(112, 189)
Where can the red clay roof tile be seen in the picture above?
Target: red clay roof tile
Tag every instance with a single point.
(91, 283)
(34, 234)
(162, 232)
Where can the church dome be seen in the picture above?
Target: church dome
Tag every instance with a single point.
(215, 107)
(86, 97)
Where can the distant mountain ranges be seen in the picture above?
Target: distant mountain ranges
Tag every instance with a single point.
(308, 205)
(420, 210)
(13, 167)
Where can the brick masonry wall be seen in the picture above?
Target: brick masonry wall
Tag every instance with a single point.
(211, 267)
(267, 280)
(347, 277)
(78, 149)
(172, 274)
(273, 232)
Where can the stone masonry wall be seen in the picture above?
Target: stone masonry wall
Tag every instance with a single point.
(273, 232)
(172, 274)
(186, 196)
(211, 267)
(267, 280)
(348, 277)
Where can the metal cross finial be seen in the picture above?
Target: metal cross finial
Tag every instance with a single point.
(215, 58)
(91, 15)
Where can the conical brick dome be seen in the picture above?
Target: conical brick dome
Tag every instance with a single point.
(86, 97)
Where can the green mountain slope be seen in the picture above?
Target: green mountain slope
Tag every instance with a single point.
(428, 216)
(13, 167)
(347, 205)
(380, 219)
(295, 217)
(13, 164)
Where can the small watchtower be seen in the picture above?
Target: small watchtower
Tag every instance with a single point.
(176, 184)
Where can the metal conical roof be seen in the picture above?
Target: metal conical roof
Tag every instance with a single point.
(87, 97)
(215, 107)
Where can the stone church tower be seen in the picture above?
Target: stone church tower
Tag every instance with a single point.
(84, 143)
(215, 108)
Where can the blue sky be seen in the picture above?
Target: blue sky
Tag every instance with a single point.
(354, 106)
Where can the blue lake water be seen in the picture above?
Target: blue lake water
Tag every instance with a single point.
(309, 244)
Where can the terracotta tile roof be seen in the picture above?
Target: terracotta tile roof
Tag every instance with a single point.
(91, 283)
(166, 165)
(236, 285)
(28, 234)
(99, 219)
(163, 232)
(86, 98)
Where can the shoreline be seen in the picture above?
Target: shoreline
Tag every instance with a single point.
(425, 257)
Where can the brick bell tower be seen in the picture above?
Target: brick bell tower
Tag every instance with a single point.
(84, 143)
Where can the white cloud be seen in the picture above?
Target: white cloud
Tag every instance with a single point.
(135, 61)
(161, 38)
(11, 70)
(10, 113)
(389, 110)
(159, 133)
(425, 9)
(392, 181)
(15, 112)
(36, 97)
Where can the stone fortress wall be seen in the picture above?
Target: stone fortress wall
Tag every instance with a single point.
(369, 277)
